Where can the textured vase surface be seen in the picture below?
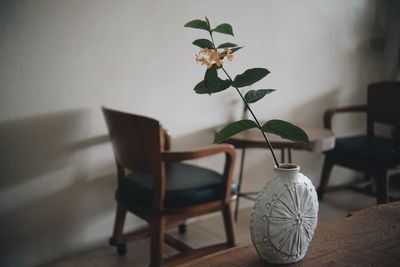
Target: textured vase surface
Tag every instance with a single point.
(284, 216)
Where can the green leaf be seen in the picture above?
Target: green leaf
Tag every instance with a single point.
(197, 24)
(212, 83)
(285, 130)
(250, 76)
(226, 45)
(232, 129)
(233, 50)
(224, 28)
(200, 88)
(211, 75)
(203, 43)
(219, 86)
(255, 95)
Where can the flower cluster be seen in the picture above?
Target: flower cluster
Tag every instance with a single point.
(211, 56)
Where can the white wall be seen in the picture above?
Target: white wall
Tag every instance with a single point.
(61, 60)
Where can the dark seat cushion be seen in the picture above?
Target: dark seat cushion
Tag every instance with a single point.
(186, 185)
(377, 149)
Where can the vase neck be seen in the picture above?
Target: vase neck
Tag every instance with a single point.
(287, 171)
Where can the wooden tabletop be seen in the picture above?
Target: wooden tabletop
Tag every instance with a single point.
(370, 237)
(320, 140)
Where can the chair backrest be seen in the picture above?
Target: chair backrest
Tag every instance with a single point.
(135, 141)
(383, 104)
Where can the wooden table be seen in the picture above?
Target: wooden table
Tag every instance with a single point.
(320, 140)
(370, 237)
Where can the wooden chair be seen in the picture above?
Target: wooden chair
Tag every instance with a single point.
(371, 154)
(155, 185)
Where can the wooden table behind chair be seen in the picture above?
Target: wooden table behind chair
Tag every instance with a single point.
(370, 237)
(320, 140)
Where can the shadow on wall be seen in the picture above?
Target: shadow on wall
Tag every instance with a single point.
(34, 146)
(312, 112)
(51, 201)
(194, 140)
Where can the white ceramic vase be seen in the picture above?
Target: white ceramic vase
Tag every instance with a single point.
(284, 216)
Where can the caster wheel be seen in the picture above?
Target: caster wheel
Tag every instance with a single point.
(122, 249)
(182, 228)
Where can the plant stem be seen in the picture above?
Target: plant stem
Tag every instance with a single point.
(255, 118)
(212, 39)
(248, 107)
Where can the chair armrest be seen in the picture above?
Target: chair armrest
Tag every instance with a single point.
(328, 114)
(198, 153)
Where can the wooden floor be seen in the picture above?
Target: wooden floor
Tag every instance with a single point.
(207, 230)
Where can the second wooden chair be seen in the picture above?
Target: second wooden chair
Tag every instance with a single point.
(371, 154)
(155, 185)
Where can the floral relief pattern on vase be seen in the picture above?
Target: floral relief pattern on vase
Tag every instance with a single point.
(283, 224)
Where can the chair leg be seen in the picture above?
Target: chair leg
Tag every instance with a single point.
(229, 225)
(382, 186)
(326, 172)
(116, 239)
(157, 231)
